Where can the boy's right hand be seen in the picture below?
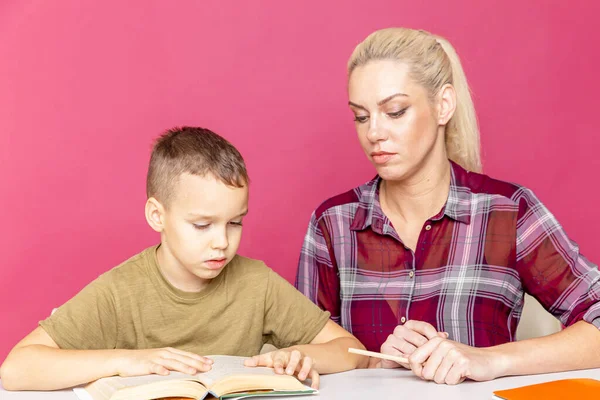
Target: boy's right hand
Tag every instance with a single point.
(161, 362)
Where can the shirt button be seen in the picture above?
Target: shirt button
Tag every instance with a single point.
(403, 319)
(411, 274)
(428, 228)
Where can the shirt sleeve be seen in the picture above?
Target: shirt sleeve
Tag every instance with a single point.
(290, 318)
(551, 267)
(317, 277)
(88, 321)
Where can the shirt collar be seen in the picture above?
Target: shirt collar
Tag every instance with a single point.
(369, 210)
(457, 207)
(460, 197)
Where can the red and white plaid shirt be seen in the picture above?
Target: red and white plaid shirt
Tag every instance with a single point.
(492, 242)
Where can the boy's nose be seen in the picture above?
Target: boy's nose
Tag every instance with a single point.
(220, 241)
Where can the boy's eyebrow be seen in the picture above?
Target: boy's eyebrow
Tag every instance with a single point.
(195, 215)
(207, 216)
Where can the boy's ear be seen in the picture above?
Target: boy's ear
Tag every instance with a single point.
(155, 213)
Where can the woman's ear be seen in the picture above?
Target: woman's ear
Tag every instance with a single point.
(446, 103)
(155, 214)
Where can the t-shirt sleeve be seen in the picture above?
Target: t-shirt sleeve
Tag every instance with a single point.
(551, 267)
(87, 321)
(290, 318)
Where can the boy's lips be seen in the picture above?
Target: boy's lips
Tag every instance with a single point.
(215, 263)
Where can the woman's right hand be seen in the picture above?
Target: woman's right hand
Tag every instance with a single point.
(406, 339)
(161, 362)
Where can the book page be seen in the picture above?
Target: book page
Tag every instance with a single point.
(104, 388)
(230, 365)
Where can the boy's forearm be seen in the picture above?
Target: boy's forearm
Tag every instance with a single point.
(39, 367)
(333, 356)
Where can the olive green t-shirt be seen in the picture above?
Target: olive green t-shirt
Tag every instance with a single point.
(133, 306)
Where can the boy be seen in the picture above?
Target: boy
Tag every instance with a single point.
(191, 292)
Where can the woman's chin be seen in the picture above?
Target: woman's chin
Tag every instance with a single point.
(392, 172)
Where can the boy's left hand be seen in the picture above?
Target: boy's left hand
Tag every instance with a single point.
(289, 362)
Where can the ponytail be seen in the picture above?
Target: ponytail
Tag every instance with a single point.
(462, 131)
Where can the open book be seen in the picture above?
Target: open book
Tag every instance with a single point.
(229, 378)
(580, 389)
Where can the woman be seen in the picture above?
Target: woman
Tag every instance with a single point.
(431, 259)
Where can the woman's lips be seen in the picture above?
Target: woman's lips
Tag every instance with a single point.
(381, 157)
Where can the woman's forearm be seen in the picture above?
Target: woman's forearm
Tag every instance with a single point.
(576, 347)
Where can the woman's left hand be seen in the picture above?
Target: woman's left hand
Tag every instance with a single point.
(445, 361)
(289, 362)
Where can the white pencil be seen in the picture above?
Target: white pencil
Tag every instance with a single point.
(397, 359)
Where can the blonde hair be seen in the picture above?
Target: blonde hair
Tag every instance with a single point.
(432, 62)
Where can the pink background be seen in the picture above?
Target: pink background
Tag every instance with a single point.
(85, 86)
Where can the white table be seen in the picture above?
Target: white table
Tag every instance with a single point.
(377, 384)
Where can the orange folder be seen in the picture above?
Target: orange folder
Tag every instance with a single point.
(580, 389)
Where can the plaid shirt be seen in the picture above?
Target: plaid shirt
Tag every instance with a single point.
(492, 242)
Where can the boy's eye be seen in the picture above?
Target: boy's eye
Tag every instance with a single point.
(361, 119)
(201, 227)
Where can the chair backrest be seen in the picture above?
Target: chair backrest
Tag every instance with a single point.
(536, 321)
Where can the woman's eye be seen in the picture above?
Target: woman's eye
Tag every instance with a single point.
(361, 119)
(201, 227)
(236, 223)
(397, 114)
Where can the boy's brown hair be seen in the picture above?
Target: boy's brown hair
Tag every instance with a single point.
(196, 151)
